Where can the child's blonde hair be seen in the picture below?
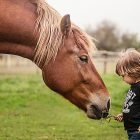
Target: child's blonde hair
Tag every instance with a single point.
(129, 63)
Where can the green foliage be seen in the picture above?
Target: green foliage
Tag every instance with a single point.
(31, 111)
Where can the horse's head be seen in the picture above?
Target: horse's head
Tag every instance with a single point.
(73, 74)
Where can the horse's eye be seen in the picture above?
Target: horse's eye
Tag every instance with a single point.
(84, 58)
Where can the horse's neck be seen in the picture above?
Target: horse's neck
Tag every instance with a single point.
(17, 49)
(17, 23)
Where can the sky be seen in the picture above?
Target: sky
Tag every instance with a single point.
(124, 13)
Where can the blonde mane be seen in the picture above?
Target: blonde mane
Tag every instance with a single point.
(50, 36)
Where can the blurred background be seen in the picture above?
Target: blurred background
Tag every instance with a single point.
(31, 111)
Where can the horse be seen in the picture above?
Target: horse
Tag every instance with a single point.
(34, 30)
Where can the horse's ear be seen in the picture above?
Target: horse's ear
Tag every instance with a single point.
(65, 25)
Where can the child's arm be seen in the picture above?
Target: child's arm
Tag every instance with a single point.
(119, 117)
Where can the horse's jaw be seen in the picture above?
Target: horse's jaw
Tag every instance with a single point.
(93, 109)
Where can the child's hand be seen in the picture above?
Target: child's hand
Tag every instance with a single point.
(119, 117)
(139, 129)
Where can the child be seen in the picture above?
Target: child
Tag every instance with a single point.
(128, 66)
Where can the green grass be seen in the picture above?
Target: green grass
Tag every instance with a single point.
(30, 111)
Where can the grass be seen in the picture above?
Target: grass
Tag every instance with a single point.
(31, 111)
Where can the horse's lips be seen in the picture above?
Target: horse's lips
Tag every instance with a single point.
(94, 114)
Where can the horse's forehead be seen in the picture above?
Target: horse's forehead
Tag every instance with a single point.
(76, 49)
(89, 51)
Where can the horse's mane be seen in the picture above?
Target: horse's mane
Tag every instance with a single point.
(50, 36)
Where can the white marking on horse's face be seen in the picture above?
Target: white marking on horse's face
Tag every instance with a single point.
(94, 99)
(99, 100)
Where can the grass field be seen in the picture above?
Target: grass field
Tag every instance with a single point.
(30, 111)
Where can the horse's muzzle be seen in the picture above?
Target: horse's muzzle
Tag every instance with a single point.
(96, 112)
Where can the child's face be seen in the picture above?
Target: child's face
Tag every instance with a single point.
(128, 79)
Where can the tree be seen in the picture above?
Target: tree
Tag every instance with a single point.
(130, 40)
(111, 39)
(107, 36)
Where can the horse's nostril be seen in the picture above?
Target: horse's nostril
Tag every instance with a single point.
(95, 109)
(98, 111)
(108, 104)
(104, 114)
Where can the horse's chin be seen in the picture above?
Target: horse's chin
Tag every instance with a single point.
(92, 115)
